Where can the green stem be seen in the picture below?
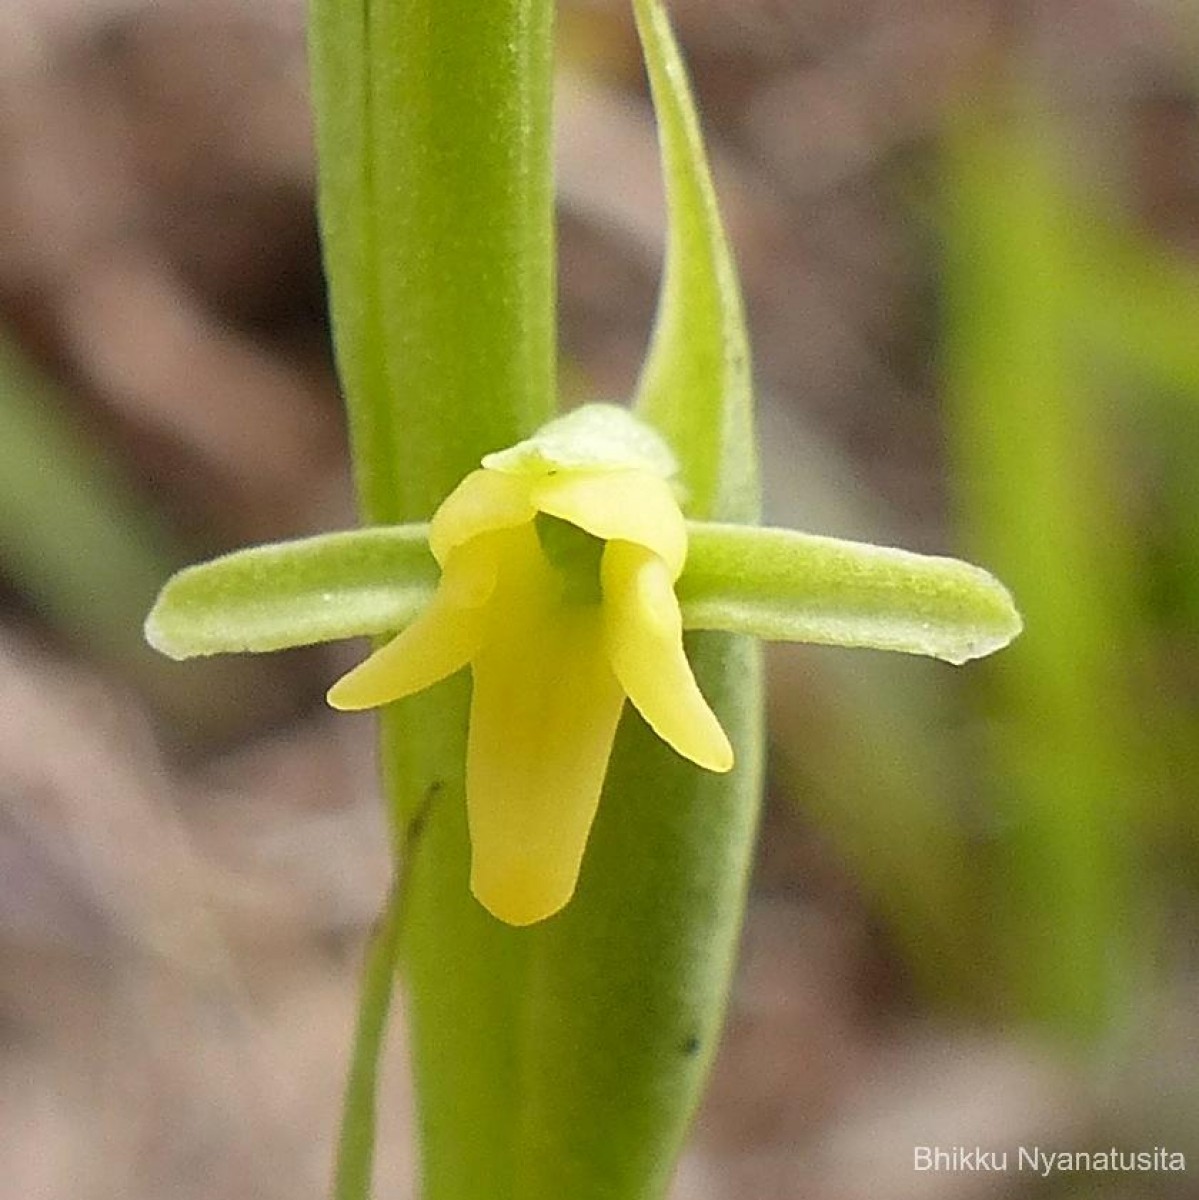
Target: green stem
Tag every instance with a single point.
(356, 1147)
(436, 204)
(435, 187)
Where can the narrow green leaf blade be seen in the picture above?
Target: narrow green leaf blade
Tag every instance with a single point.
(319, 589)
(436, 200)
(798, 587)
(696, 385)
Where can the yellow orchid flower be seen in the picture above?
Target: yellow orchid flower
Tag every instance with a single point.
(557, 588)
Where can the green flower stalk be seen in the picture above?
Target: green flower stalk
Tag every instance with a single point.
(563, 1016)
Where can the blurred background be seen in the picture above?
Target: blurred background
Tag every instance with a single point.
(969, 236)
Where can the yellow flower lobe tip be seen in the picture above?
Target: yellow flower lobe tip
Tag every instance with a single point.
(519, 894)
(440, 642)
(643, 632)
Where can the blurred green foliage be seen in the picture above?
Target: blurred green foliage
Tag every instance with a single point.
(1037, 477)
(74, 536)
(86, 548)
(1023, 861)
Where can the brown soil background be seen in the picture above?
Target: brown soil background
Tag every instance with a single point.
(186, 880)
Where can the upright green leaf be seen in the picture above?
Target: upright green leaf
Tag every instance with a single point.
(355, 1153)
(74, 534)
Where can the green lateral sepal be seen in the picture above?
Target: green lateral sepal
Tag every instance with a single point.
(320, 589)
(797, 587)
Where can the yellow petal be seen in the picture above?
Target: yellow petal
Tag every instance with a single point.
(644, 636)
(442, 639)
(439, 642)
(484, 501)
(634, 506)
(543, 716)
